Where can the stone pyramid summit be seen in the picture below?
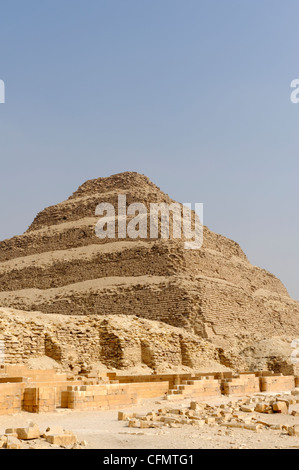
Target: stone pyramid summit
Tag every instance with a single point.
(67, 294)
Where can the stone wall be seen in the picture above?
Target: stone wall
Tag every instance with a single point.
(115, 341)
(45, 390)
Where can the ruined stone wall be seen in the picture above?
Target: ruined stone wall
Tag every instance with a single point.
(115, 341)
(31, 337)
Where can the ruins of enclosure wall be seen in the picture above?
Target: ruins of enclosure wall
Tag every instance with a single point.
(92, 397)
(115, 341)
(277, 383)
(45, 390)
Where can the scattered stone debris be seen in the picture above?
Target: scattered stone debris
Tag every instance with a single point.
(293, 430)
(17, 438)
(242, 414)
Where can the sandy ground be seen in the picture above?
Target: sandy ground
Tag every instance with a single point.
(102, 430)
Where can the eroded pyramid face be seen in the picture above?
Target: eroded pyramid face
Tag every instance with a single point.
(61, 267)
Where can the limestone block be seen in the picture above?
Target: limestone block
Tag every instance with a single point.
(280, 407)
(31, 432)
(247, 409)
(65, 440)
(294, 430)
(262, 408)
(13, 443)
(53, 430)
(3, 441)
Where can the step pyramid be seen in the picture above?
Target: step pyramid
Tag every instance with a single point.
(59, 266)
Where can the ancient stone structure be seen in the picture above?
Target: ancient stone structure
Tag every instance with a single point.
(45, 390)
(122, 301)
(116, 341)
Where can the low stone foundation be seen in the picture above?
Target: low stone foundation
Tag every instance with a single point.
(11, 397)
(277, 383)
(44, 390)
(97, 397)
(244, 384)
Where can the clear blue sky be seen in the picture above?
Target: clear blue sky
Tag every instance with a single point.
(195, 94)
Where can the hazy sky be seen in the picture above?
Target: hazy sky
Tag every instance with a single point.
(195, 94)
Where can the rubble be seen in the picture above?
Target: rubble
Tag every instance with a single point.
(62, 439)
(240, 414)
(53, 436)
(32, 432)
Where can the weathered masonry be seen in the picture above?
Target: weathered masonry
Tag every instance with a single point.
(44, 390)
